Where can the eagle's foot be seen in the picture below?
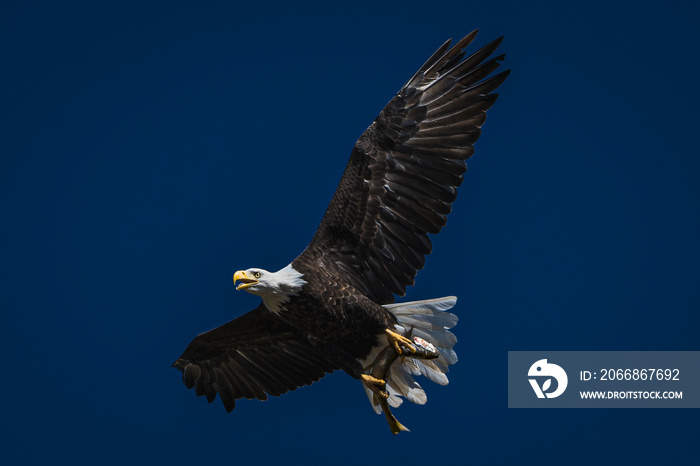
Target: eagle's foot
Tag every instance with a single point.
(402, 345)
(378, 386)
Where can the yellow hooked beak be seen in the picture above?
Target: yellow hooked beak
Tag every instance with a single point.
(244, 279)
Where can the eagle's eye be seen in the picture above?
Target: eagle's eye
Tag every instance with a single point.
(257, 274)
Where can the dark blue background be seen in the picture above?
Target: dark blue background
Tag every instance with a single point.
(150, 149)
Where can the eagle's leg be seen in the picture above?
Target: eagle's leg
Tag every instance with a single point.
(377, 386)
(402, 345)
(379, 374)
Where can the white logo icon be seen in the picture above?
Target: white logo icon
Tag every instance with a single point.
(543, 369)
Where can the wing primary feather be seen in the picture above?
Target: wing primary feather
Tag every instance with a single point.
(252, 356)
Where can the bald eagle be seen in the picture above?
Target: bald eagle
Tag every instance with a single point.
(332, 308)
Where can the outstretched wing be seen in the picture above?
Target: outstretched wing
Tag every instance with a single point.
(253, 356)
(404, 171)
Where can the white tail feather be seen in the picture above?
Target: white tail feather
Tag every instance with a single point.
(428, 320)
(405, 385)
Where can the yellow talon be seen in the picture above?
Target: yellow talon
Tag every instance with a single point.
(369, 380)
(398, 341)
(378, 386)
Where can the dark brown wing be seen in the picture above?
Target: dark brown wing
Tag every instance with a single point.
(404, 171)
(253, 356)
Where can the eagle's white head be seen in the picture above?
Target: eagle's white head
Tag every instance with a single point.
(275, 288)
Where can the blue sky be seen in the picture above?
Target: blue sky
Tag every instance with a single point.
(150, 149)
